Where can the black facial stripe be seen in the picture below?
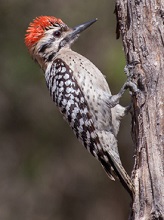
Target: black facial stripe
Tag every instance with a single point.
(44, 47)
(50, 57)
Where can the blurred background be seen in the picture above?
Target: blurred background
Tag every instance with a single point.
(45, 173)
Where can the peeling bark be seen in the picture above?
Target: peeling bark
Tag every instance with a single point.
(141, 26)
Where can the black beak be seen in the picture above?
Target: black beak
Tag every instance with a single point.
(74, 33)
(79, 28)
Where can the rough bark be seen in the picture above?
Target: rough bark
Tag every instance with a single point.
(141, 26)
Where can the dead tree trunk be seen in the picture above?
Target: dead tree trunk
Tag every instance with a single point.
(141, 25)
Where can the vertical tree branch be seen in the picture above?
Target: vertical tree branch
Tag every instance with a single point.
(141, 25)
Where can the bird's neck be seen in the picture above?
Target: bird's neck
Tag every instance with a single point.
(45, 55)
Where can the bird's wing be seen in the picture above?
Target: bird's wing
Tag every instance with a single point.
(69, 98)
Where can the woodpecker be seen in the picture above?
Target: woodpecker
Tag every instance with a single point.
(80, 91)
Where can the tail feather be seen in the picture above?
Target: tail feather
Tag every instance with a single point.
(116, 170)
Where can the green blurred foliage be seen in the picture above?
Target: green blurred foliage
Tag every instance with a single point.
(44, 172)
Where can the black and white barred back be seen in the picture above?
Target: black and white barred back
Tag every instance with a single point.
(72, 103)
(80, 91)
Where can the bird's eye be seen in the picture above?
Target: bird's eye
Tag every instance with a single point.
(57, 33)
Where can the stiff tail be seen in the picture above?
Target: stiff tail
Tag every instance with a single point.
(115, 169)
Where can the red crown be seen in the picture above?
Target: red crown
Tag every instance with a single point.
(36, 28)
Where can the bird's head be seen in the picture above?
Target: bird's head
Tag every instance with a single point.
(47, 35)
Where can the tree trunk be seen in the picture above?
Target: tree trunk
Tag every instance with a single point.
(141, 25)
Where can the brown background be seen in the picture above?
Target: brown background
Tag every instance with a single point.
(45, 174)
